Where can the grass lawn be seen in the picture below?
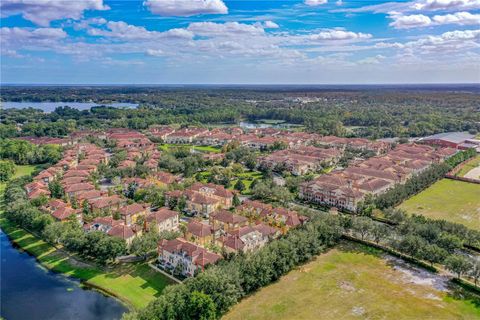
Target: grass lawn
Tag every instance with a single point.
(352, 282)
(205, 149)
(19, 171)
(473, 163)
(452, 200)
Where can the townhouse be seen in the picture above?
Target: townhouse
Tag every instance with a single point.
(185, 135)
(202, 199)
(184, 257)
(163, 219)
(130, 214)
(347, 188)
(301, 160)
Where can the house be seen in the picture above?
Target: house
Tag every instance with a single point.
(185, 257)
(73, 189)
(199, 232)
(164, 219)
(125, 232)
(184, 135)
(64, 213)
(227, 221)
(114, 228)
(162, 178)
(132, 212)
(109, 203)
(301, 160)
(244, 239)
(202, 199)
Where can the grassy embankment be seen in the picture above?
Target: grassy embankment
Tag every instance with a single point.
(354, 282)
(451, 200)
(134, 284)
(472, 164)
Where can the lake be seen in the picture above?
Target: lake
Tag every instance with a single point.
(28, 291)
(50, 106)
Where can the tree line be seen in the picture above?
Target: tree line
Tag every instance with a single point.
(434, 241)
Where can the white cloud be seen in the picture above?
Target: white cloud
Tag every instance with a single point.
(270, 25)
(372, 60)
(411, 21)
(339, 3)
(339, 35)
(186, 8)
(418, 5)
(154, 53)
(452, 41)
(420, 20)
(42, 12)
(14, 39)
(314, 3)
(125, 31)
(224, 29)
(461, 18)
(434, 5)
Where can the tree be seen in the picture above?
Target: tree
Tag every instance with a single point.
(457, 264)
(236, 201)
(143, 245)
(182, 204)
(7, 170)
(475, 270)
(433, 253)
(56, 189)
(239, 185)
(201, 306)
(362, 225)
(379, 231)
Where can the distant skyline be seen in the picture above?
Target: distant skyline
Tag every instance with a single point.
(240, 42)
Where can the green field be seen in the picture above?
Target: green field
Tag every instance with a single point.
(205, 149)
(472, 164)
(19, 171)
(352, 282)
(246, 177)
(447, 199)
(135, 284)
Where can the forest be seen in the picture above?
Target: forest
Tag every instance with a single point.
(365, 112)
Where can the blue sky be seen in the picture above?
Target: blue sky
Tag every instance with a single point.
(239, 42)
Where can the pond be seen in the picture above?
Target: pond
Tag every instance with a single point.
(263, 125)
(50, 106)
(28, 291)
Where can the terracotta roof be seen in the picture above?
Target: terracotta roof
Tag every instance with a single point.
(63, 213)
(228, 217)
(161, 215)
(105, 202)
(121, 231)
(79, 187)
(131, 209)
(199, 229)
(199, 255)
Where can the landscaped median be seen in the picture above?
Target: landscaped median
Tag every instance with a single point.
(134, 284)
